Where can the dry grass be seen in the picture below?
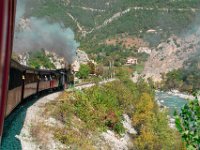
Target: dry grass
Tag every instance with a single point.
(74, 133)
(128, 42)
(40, 134)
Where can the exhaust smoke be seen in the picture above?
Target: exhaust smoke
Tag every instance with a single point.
(33, 34)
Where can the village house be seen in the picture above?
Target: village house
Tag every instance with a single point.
(132, 61)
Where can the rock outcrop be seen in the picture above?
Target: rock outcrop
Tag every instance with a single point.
(81, 58)
(57, 61)
(170, 55)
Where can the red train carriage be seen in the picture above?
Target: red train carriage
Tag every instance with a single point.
(7, 15)
(45, 80)
(25, 82)
(51, 79)
(30, 79)
(54, 78)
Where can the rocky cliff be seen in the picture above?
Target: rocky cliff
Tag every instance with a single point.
(170, 55)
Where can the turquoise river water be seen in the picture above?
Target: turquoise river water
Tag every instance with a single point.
(170, 101)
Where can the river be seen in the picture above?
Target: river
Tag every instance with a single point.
(172, 102)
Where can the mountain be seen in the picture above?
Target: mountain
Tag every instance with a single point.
(94, 19)
(131, 25)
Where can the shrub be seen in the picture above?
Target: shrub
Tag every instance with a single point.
(101, 107)
(83, 72)
(188, 124)
(38, 59)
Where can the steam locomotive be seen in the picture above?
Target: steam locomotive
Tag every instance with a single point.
(24, 81)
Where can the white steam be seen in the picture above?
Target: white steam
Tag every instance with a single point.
(36, 34)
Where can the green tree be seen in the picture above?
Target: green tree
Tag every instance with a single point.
(83, 72)
(38, 59)
(188, 124)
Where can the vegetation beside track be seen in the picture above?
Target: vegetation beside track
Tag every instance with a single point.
(86, 114)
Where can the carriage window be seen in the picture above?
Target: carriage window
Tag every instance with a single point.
(31, 78)
(44, 77)
(15, 78)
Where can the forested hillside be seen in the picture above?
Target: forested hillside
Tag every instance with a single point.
(98, 20)
(96, 23)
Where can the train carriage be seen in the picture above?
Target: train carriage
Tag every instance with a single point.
(46, 80)
(54, 80)
(25, 82)
(30, 79)
(15, 86)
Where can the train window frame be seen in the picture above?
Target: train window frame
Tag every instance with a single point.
(30, 78)
(15, 78)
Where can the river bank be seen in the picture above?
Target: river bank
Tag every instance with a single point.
(181, 95)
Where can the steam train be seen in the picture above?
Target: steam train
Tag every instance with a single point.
(25, 82)
(18, 82)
